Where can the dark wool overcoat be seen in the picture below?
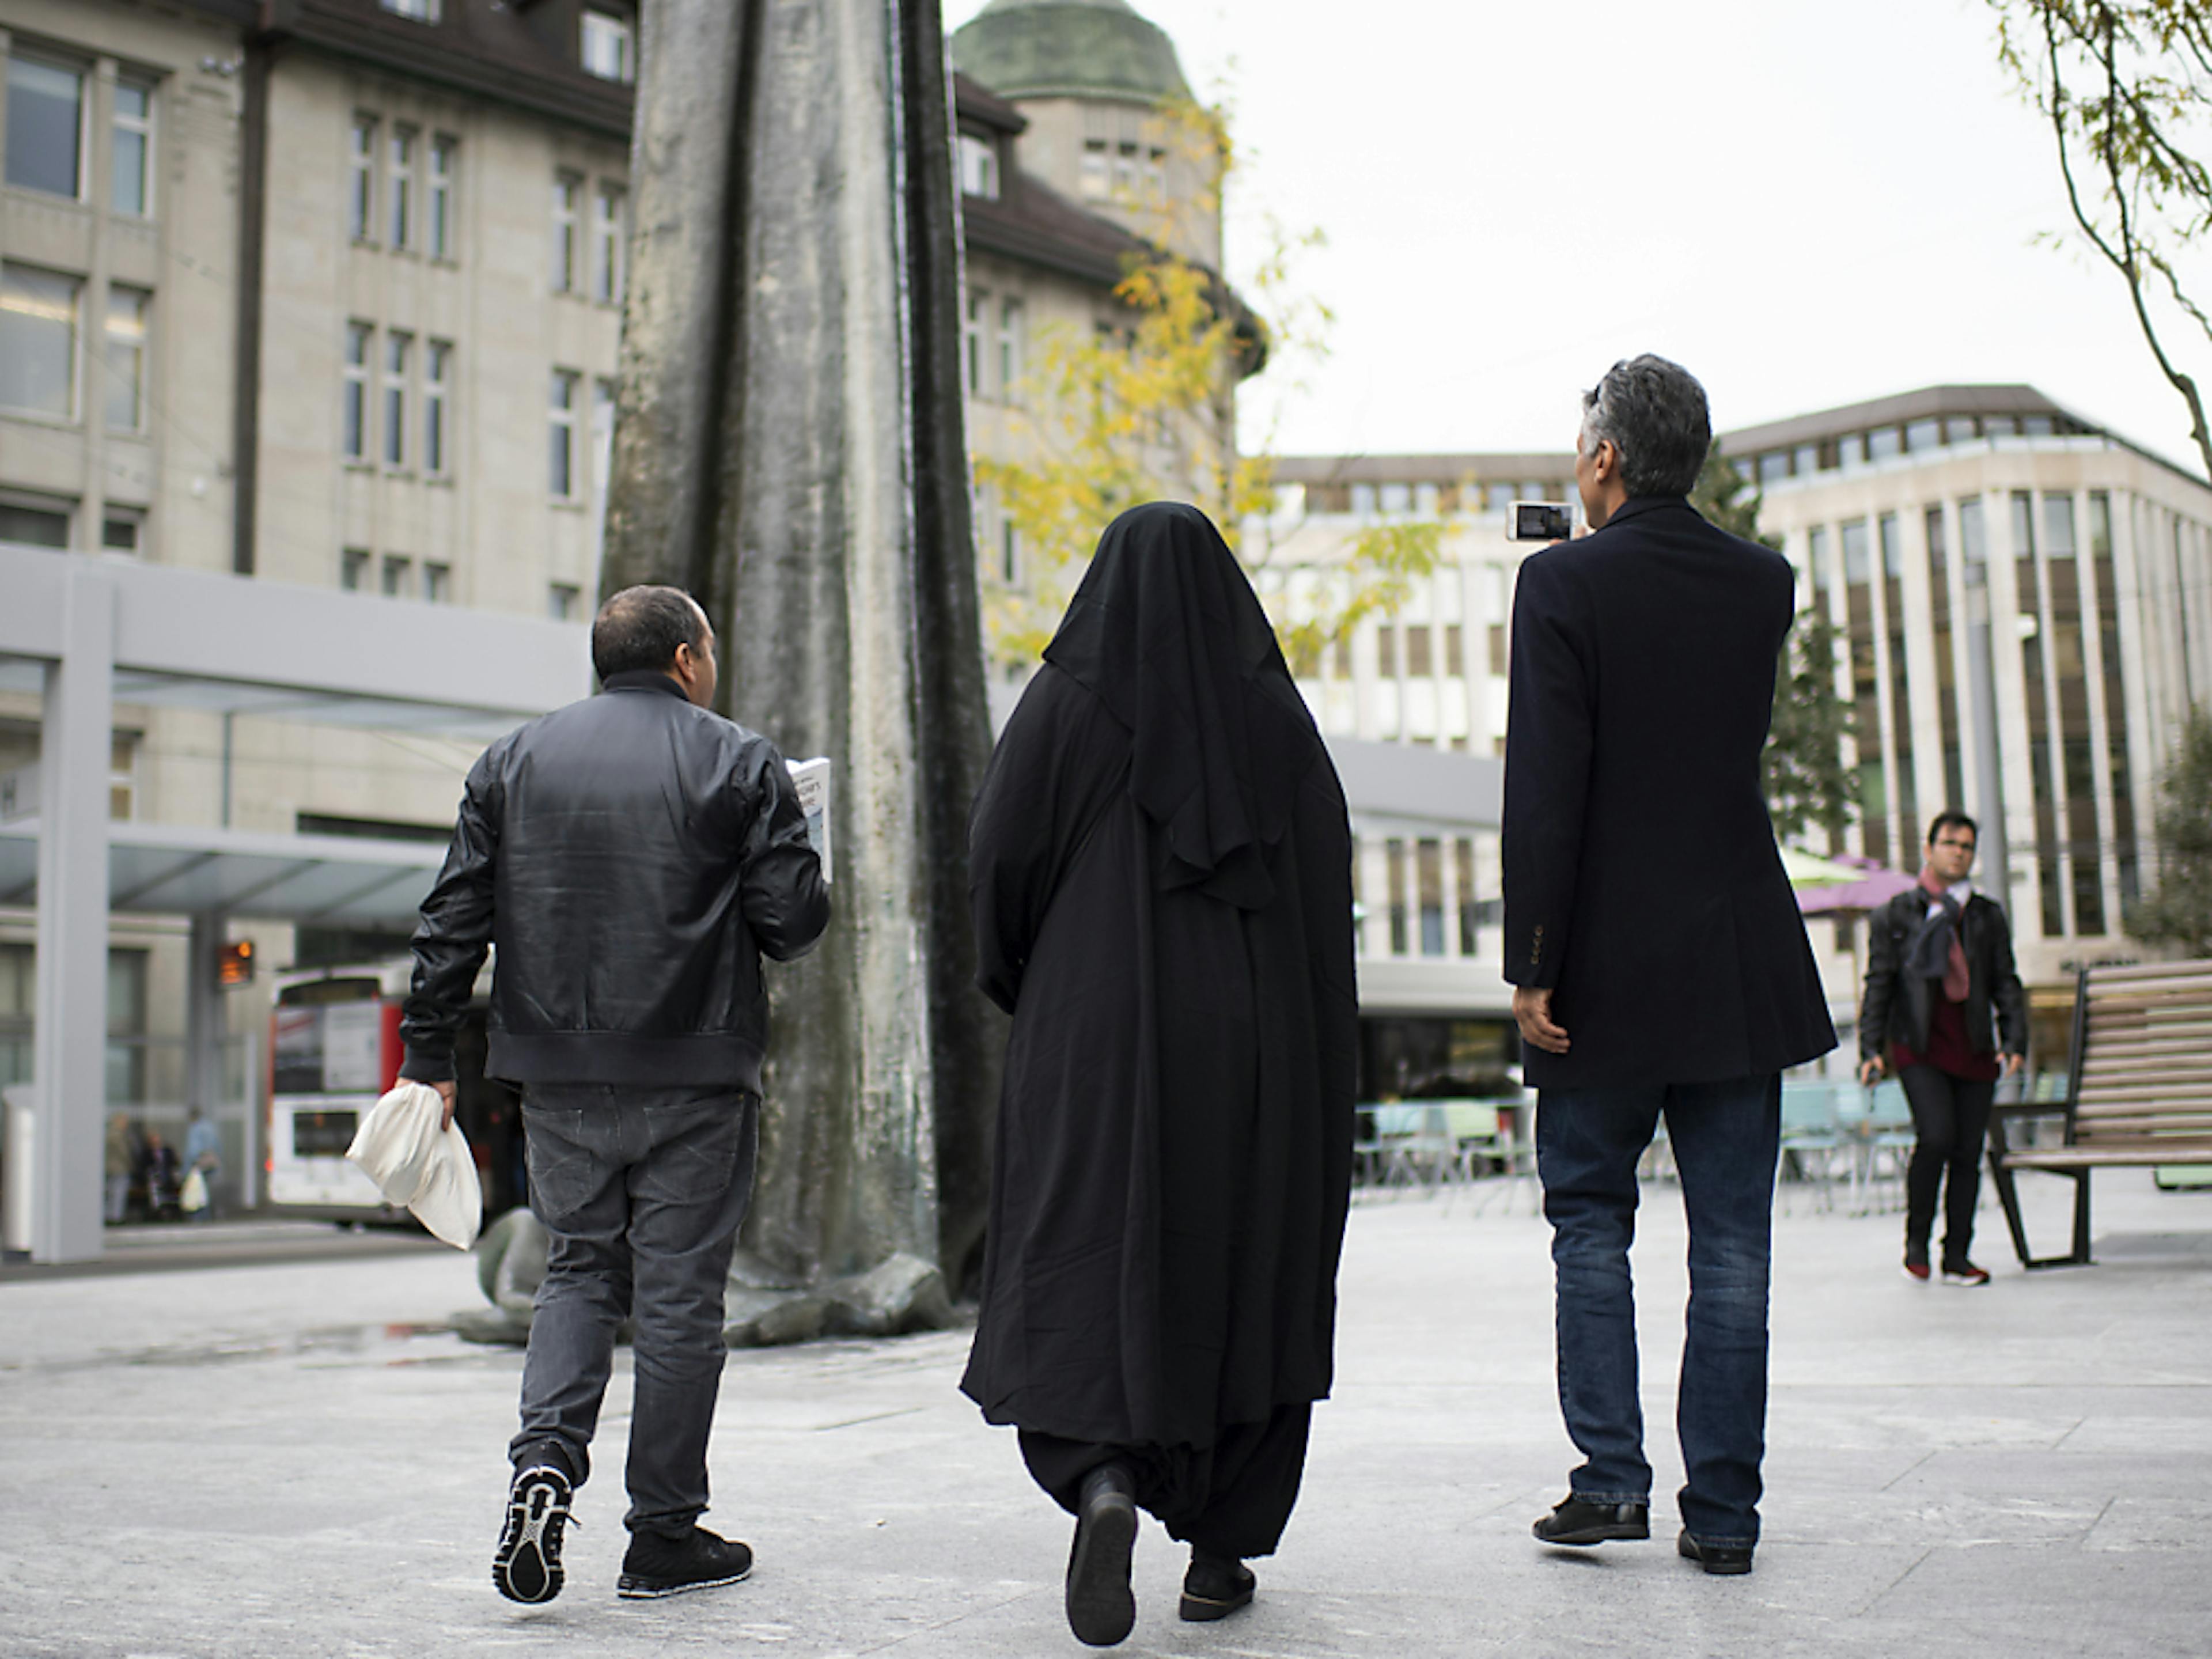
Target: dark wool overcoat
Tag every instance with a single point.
(1643, 883)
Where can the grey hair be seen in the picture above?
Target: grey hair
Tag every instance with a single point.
(1654, 414)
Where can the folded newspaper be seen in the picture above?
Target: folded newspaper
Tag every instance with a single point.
(812, 779)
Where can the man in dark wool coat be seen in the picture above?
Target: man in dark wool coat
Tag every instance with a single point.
(1660, 965)
(1161, 879)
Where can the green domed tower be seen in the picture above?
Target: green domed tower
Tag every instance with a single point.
(1085, 49)
(1090, 77)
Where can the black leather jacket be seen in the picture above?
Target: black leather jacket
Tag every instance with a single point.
(631, 856)
(1896, 1005)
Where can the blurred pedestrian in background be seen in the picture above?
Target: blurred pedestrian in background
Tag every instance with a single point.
(1939, 959)
(1160, 869)
(118, 1161)
(203, 1158)
(1660, 965)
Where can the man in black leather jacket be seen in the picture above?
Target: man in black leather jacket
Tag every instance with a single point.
(1939, 958)
(631, 856)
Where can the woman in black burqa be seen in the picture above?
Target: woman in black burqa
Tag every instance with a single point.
(1161, 879)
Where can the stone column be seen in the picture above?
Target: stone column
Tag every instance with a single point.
(789, 446)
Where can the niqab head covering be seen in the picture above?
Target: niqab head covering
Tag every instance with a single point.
(1166, 631)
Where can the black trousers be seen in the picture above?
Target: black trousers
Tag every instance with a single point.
(1232, 1498)
(1951, 1120)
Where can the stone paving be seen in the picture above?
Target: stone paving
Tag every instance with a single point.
(298, 1460)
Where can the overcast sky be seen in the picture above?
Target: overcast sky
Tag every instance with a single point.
(1806, 204)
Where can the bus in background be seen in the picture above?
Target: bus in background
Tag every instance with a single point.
(334, 1047)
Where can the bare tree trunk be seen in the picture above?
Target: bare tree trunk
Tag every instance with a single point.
(790, 448)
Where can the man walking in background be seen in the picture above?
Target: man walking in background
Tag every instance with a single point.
(1938, 957)
(632, 856)
(1660, 964)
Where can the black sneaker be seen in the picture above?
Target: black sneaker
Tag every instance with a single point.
(1578, 1521)
(1101, 1608)
(654, 1566)
(1215, 1587)
(527, 1567)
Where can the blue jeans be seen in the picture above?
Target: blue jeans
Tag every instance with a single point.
(1726, 1138)
(641, 1192)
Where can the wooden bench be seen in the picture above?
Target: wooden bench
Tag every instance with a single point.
(2139, 1090)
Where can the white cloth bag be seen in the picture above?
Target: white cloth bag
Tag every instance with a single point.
(419, 1165)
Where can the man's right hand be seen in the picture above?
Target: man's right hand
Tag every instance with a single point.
(1871, 1071)
(446, 1092)
(1532, 1011)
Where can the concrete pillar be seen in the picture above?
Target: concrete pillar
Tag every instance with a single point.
(69, 1069)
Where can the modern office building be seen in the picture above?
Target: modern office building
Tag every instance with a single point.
(2027, 603)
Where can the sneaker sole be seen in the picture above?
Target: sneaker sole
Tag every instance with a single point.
(1957, 1282)
(1611, 1531)
(1102, 1610)
(527, 1559)
(643, 1589)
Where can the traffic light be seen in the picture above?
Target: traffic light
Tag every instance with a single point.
(233, 965)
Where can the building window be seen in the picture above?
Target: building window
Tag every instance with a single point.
(439, 228)
(1923, 434)
(610, 47)
(1097, 178)
(1010, 345)
(353, 568)
(2130, 870)
(979, 166)
(1417, 665)
(563, 600)
(423, 11)
(1469, 913)
(1429, 868)
(353, 397)
(438, 583)
(45, 125)
(1454, 652)
(2044, 777)
(400, 187)
(1947, 687)
(1883, 442)
(972, 340)
(437, 364)
(34, 526)
(37, 339)
(396, 570)
(603, 439)
(122, 530)
(1393, 854)
(608, 243)
(1125, 171)
(562, 479)
(566, 188)
(396, 349)
(1775, 464)
(360, 193)
(132, 176)
(125, 391)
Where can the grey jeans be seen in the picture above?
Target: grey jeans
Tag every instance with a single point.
(641, 1192)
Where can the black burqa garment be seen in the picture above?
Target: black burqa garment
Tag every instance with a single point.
(1160, 872)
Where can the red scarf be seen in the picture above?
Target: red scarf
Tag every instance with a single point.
(1956, 978)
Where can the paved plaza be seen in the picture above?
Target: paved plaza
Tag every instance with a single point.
(296, 1459)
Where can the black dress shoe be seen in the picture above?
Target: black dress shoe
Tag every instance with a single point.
(1101, 1609)
(1578, 1520)
(1215, 1587)
(1715, 1557)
